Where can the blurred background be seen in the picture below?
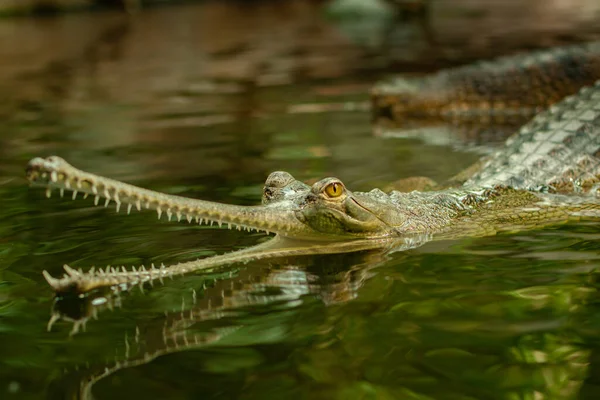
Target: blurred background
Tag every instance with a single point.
(126, 74)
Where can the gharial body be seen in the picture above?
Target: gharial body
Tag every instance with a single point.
(508, 90)
(547, 173)
(485, 102)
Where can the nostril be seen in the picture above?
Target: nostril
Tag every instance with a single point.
(31, 173)
(54, 160)
(33, 166)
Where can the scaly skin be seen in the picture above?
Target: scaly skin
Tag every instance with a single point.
(557, 151)
(511, 191)
(507, 90)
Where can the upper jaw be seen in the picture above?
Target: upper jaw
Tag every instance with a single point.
(56, 173)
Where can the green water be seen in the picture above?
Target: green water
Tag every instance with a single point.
(504, 317)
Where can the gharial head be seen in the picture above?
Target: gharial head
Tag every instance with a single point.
(327, 209)
(290, 208)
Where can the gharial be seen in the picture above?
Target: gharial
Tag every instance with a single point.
(546, 173)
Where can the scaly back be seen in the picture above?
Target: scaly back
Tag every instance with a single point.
(510, 89)
(558, 151)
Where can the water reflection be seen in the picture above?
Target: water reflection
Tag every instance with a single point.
(446, 319)
(233, 299)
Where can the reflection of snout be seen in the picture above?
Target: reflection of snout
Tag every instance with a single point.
(78, 310)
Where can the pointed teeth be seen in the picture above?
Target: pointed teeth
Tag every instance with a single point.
(53, 176)
(159, 212)
(169, 214)
(94, 190)
(178, 216)
(48, 192)
(118, 205)
(189, 218)
(85, 195)
(51, 280)
(138, 205)
(96, 200)
(62, 192)
(129, 206)
(106, 202)
(74, 194)
(71, 271)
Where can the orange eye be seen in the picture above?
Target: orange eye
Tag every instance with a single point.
(334, 189)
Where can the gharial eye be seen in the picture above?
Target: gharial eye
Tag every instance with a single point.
(334, 189)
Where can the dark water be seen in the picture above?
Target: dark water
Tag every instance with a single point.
(162, 102)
